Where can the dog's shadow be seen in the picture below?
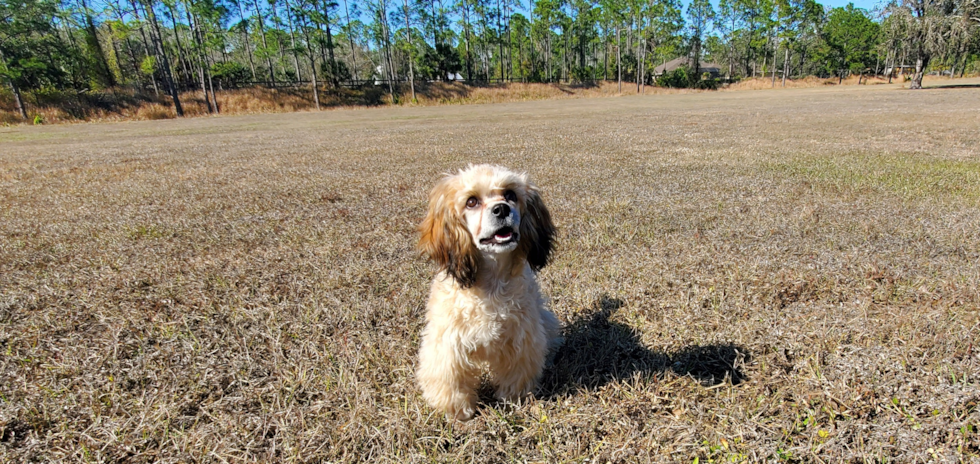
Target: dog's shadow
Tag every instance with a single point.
(598, 351)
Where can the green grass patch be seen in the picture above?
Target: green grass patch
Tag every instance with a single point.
(910, 176)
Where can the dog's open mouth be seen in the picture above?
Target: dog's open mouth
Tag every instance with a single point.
(501, 236)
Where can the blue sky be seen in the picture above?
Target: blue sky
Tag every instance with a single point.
(866, 4)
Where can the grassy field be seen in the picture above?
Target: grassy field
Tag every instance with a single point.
(786, 275)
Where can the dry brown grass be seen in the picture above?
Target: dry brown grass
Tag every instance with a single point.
(811, 81)
(750, 276)
(123, 105)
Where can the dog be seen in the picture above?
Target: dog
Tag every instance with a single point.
(489, 232)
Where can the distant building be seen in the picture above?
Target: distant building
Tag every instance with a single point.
(714, 69)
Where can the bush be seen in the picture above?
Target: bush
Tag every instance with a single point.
(683, 78)
(706, 82)
(230, 75)
(676, 79)
(343, 72)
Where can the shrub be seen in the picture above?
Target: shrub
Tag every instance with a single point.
(230, 74)
(676, 79)
(706, 82)
(343, 72)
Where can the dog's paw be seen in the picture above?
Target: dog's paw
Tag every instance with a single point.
(512, 394)
(461, 413)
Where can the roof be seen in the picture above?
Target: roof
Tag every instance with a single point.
(705, 67)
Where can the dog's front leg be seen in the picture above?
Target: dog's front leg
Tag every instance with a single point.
(517, 370)
(448, 380)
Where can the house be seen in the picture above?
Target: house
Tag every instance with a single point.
(714, 69)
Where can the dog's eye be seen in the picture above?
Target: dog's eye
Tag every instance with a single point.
(510, 196)
(472, 202)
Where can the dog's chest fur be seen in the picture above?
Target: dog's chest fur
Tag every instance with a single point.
(486, 319)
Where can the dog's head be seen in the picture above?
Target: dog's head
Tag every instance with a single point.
(485, 210)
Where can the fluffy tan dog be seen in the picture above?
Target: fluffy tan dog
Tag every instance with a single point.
(489, 232)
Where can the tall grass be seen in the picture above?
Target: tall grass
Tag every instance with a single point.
(49, 106)
(762, 83)
(124, 104)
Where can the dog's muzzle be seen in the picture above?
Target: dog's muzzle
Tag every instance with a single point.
(503, 221)
(501, 236)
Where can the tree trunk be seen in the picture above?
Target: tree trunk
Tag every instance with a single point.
(387, 49)
(201, 60)
(146, 48)
(312, 56)
(595, 60)
(167, 75)
(641, 68)
(530, 35)
(350, 38)
(208, 64)
(510, 46)
(136, 63)
(582, 58)
(265, 44)
(605, 54)
(619, 60)
(520, 57)
(500, 42)
(921, 63)
(774, 68)
(292, 41)
(639, 58)
(731, 53)
(785, 66)
(411, 67)
(93, 41)
(549, 59)
(696, 66)
(275, 19)
(18, 100)
(568, 58)
(775, 47)
(333, 60)
(891, 70)
(248, 45)
(180, 48)
(129, 48)
(116, 56)
(469, 56)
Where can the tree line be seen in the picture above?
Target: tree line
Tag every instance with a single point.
(169, 46)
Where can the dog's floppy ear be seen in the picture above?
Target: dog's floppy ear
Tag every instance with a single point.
(537, 230)
(444, 238)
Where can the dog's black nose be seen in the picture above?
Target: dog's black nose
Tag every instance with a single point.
(500, 210)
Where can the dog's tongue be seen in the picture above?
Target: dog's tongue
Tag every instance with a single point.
(501, 236)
